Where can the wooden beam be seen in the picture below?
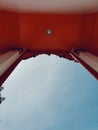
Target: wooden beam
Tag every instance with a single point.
(88, 60)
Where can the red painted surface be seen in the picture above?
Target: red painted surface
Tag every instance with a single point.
(89, 68)
(4, 76)
(29, 31)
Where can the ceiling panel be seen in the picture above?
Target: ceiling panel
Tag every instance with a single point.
(50, 5)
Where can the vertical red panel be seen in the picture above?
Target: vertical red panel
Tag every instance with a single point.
(9, 30)
(95, 37)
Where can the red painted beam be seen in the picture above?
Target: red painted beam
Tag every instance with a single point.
(5, 75)
(74, 54)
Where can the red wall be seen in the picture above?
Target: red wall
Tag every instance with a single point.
(28, 30)
(9, 29)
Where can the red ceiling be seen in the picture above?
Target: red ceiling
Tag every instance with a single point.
(29, 31)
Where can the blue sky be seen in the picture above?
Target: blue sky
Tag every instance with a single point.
(49, 93)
